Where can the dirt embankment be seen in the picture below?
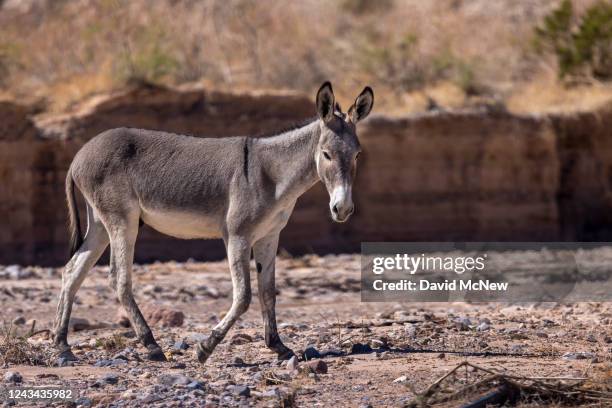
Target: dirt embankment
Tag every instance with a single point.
(470, 175)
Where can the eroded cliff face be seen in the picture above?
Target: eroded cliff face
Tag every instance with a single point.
(469, 176)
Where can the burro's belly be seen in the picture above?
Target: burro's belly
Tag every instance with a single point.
(182, 224)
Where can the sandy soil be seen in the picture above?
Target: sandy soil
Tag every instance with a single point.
(319, 305)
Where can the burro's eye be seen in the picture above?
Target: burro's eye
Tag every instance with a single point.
(357, 155)
(326, 155)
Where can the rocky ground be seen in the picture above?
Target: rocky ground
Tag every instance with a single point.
(377, 354)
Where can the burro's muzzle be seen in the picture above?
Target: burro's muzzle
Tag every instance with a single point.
(341, 203)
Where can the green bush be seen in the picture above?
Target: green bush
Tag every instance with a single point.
(362, 7)
(581, 44)
(446, 65)
(401, 64)
(9, 59)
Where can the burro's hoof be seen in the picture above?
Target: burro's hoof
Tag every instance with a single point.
(66, 355)
(156, 354)
(202, 353)
(285, 354)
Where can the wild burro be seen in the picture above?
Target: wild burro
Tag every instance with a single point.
(240, 189)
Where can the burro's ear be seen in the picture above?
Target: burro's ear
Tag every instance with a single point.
(362, 106)
(325, 102)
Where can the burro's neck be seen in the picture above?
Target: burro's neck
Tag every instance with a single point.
(288, 160)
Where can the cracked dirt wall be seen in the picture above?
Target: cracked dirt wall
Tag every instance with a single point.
(470, 175)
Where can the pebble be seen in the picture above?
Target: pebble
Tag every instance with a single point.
(164, 316)
(271, 393)
(241, 338)
(519, 336)
(120, 356)
(64, 362)
(195, 385)
(128, 394)
(463, 323)
(151, 398)
(83, 402)
(360, 348)
(317, 366)
(517, 348)
(401, 315)
(110, 378)
(292, 363)
(13, 377)
(110, 363)
(169, 379)
(333, 352)
(311, 352)
(17, 272)
(410, 330)
(79, 324)
(582, 355)
(484, 326)
(181, 345)
(197, 337)
(378, 343)
(19, 320)
(240, 390)
(122, 319)
(400, 379)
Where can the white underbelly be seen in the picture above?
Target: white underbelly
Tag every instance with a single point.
(181, 224)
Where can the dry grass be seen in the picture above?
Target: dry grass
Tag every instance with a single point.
(411, 50)
(16, 349)
(546, 95)
(114, 343)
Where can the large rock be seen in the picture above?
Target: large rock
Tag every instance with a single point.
(155, 315)
(163, 316)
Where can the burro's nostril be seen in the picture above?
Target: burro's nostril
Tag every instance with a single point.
(335, 209)
(351, 210)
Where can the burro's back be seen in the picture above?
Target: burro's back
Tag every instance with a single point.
(156, 165)
(240, 189)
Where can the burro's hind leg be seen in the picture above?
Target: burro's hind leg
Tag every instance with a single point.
(96, 241)
(123, 230)
(238, 253)
(265, 258)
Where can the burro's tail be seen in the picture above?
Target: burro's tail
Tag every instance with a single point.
(76, 239)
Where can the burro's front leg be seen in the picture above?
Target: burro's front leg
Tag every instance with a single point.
(265, 258)
(238, 254)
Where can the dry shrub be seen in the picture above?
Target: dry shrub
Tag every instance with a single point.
(16, 349)
(114, 343)
(66, 51)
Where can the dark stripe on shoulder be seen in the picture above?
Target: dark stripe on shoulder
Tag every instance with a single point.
(246, 158)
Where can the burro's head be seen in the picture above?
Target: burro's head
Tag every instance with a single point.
(338, 148)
